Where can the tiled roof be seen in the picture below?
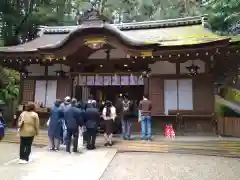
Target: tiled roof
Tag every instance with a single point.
(182, 31)
(135, 25)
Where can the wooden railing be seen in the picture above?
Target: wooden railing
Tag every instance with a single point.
(228, 126)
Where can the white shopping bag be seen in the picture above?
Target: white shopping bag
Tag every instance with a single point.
(80, 138)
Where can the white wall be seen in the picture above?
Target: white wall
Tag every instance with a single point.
(35, 70)
(163, 67)
(56, 67)
(38, 70)
(200, 63)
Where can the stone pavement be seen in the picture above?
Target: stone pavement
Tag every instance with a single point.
(162, 166)
(48, 165)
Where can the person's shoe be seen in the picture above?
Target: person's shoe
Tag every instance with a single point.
(29, 160)
(56, 149)
(21, 161)
(124, 138)
(149, 139)
(110, 144)
(106, 144)
(52, 149)
(128, 138)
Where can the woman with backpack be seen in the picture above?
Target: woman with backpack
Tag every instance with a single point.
(126, 124)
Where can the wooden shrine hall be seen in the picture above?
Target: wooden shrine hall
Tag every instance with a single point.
(174, 61)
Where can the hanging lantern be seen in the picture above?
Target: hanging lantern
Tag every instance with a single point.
(145, 74)
(24, 74)
(61, 72)
(192, 70)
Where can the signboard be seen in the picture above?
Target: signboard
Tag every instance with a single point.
(133, 80)
(98, 80)
(116, 80)
(125, 80)
(90, 80)
(107, 80)
(146, 53)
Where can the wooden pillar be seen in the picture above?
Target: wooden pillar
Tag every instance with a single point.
(72, 83)
(21, 90)
(146, 86)
(46, 77)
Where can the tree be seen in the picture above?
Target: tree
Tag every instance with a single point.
(224, 15)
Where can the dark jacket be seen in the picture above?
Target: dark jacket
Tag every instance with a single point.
(73, 117)
(55, 124)
(129, 112)
(145, 106)
(119, 106)
(92, 118)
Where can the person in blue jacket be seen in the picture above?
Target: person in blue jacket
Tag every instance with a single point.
(74, 118)
(55, 126)
(92, 120)
(2, 126)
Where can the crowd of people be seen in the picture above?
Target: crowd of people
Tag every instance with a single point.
(70, 117)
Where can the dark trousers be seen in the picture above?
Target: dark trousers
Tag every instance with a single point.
(85, 137)
(72, 133)
(25, 147)
(91, 137)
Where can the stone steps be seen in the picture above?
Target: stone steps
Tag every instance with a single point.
(226, 148)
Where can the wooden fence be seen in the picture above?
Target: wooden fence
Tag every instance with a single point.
(229, 126)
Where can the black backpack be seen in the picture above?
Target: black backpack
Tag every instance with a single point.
(126, 106)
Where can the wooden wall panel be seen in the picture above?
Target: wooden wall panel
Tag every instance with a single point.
(156, 95)
(63, 88)
(203, 96)
(28, 90)
(229, 126)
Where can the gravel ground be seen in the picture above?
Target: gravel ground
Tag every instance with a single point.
(150, 166)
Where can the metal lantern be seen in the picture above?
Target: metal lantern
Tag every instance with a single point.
(145, 74)
(193, 70)
(61, 73)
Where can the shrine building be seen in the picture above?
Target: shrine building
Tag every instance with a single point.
(174, 61)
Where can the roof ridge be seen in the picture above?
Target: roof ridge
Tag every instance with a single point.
(193, 18)
(133, 25)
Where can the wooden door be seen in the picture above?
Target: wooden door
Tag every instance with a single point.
(156, 95)
(63, 88)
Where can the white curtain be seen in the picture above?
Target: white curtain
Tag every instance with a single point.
(170, 95)
(185, 94)
(51, 93)
(40, 91)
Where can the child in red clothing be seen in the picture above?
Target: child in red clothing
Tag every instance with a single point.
(169, 131)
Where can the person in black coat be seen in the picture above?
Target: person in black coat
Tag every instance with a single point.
(92, 119)
(74, 118)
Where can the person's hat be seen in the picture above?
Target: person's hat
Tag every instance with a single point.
(67, 98)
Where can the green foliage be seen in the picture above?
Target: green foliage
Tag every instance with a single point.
(232, 95)
(224, 15)
(10, 91)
